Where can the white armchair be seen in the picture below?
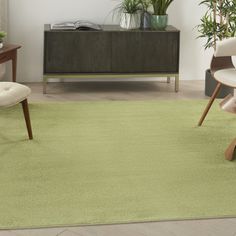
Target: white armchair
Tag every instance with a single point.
(13, 93)
(222, 69)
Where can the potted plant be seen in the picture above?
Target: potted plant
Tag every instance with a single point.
(146, 15)
(2, 36)
(219, 22)
(129, 12)
(159, 19)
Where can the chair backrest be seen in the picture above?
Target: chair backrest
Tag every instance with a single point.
(226, 47)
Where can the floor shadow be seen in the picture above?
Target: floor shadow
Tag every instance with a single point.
(111, 87)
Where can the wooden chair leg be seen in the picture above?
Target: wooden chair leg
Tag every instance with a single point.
(217, 89)
(27, 117)
(229, 153)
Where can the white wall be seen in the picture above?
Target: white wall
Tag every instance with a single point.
(27, 19)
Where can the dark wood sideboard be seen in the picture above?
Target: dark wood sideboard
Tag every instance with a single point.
(112, 52)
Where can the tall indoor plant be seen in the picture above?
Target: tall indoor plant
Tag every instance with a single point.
(219, 22)
(159, 18)
(129, 13)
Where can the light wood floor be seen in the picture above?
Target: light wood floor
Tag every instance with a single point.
(128, 91)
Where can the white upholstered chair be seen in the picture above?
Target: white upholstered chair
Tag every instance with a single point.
(222, 69)
(13, 93)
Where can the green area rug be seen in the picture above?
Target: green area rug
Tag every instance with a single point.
(115, 162)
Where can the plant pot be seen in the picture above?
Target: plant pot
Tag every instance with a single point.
(210, 85)
(146, 20)
(159, 22)
(130, 21)
(1, 44)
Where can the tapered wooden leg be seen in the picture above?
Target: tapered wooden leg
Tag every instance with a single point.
(217, 89)
(229, 153)
(177, 83)
(27, 117)
(14, 65)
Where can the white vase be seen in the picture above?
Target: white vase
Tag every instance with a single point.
(1, 45)
(130, 21)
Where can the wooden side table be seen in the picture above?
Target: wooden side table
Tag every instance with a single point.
(9, 53)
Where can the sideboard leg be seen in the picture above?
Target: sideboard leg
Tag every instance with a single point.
(168, 79)
(44, 85)
(177, 83)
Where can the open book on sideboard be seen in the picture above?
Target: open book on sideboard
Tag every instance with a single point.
(77, 25)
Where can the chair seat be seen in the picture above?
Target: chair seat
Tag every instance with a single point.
(226, 77)
(12, 93)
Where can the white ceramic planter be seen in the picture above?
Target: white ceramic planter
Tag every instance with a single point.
(1, 45)
(130, 21)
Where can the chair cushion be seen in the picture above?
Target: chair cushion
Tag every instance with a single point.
(12, 93)
(226, 77)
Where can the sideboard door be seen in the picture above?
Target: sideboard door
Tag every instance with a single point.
(145, 51)
(160, 52)
(77, 52)
(127, 52)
